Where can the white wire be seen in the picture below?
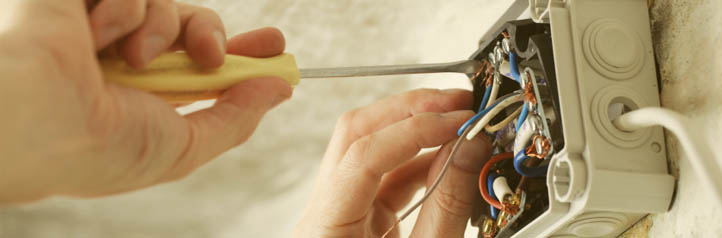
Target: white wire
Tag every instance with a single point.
(501, 188)
(491, 114)
(700, 156)
(494, 89)
(524, 134)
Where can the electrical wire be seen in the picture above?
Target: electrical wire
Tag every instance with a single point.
(433, 186)
(699, 154)
(522, 116)
(513, 67)
(485, 99)
(495, 85)
(524, 134)
(492, 112)
(483, 187)
(481, 113)
(528, 172)
(489, 184)
(498, 126)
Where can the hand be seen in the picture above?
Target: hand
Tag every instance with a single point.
(370, 170)
(67, 132)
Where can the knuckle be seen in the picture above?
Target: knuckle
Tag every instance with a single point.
(347, 119)
(430, 106)
(418, 94)
(452, 205)
(421, 120)
(135, 14)
(428, 100)
(348, 125)
(360, 148)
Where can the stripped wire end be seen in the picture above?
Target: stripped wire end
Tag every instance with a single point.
(539, 147)
(529, 91)
(484, 64)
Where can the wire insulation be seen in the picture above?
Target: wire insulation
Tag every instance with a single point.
(483, 188)
(528, 172)
(513, 67)
(481, 113)
(492, 112)
(485, 99)
(495, 85)
(522, 116)
(490, 184)
(498, 126)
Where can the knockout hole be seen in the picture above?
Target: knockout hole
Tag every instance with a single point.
(619, 106)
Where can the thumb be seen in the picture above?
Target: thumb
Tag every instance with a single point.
(447, 210)
(234, 117)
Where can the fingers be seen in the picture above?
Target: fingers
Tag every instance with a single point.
(231, 121)
(111, 20)
(399, 186)
(157, 33)
(447, 210)
(264, 42)
(369, 119)
(203, 35)
(354, 182)
(144, 29)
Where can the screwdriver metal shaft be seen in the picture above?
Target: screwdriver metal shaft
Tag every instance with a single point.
(464, 66)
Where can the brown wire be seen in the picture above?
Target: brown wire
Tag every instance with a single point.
(521, 184)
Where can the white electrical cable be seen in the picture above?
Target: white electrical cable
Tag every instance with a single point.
(501, 188)
(698, 152)
(491, 114)
(525, 133)
(494, 89)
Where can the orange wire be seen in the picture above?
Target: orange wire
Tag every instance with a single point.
(485, 172)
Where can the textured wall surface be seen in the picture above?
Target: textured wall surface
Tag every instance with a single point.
(260, 188)
(687, 39)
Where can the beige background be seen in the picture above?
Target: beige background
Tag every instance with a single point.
(259, 189)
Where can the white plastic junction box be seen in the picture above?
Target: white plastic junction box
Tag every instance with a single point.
(604, 179)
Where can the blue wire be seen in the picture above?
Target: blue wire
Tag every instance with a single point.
(515, 73)
(522, 116)
(481, 114)
(513, 67)
(489, 184)
(485, 100)
(524, 171)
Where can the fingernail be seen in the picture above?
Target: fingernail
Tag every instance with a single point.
(472, 153)
(152, 47)
(220, 40)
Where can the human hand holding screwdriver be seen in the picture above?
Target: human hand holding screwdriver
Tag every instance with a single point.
(68, 132)
(371, 169)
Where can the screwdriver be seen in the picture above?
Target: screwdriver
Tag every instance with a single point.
(176, 78)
